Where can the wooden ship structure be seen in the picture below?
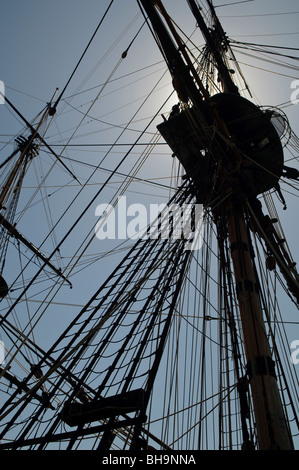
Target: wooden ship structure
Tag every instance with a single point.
(96, 386)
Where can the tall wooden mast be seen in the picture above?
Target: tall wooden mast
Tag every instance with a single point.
(240, 167)
(27, 148)
(270, 421)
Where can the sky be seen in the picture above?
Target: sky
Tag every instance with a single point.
(40, 44)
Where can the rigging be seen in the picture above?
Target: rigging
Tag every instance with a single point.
(166, 324)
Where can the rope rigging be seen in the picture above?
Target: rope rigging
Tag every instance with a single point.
(156, 357)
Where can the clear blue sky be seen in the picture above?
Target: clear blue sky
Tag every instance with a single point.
(41, 42)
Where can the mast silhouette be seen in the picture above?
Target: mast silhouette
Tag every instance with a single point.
(99, 384)
(28, 149)
(272, 429)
